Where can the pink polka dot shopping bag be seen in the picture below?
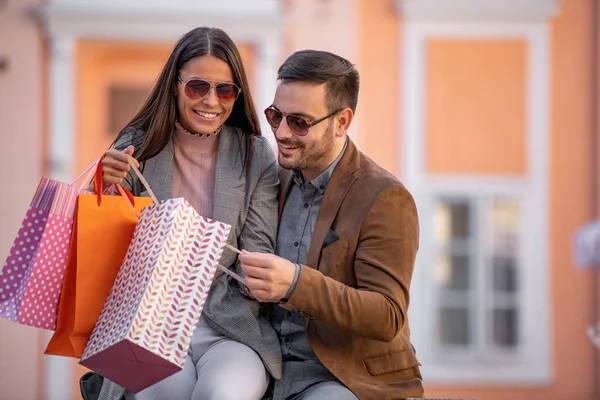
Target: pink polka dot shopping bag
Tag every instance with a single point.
(32, 276)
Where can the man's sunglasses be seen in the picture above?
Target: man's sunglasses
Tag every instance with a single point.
(298, 125)
(196, 88)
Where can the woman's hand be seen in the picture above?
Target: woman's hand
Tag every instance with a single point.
(115, 165)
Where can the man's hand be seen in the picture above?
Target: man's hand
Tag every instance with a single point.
(268, 277)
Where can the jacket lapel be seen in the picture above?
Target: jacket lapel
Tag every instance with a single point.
(228, 177)
(341, 180)
(285, 182)
(158, 171)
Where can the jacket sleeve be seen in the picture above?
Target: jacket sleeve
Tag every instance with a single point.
(383, 266)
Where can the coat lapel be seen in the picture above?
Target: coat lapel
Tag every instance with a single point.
(285, 179)
(158, 171)
(228, 177)
(341, 180)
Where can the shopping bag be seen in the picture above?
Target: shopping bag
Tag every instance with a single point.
(102, 231)
(144, 332)
(32, 275)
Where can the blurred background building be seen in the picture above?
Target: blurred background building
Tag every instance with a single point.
(486, 110)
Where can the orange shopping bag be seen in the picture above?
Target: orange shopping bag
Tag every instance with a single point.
(102, 231)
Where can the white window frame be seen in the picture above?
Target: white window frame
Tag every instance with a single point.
(477, 191)
(533, 363)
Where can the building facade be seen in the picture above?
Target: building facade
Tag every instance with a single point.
(487, 111)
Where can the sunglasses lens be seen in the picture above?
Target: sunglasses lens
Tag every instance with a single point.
(227, 91)
(273, 117)
(298, 125)
(196, 89)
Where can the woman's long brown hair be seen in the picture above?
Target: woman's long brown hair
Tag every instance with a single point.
(152, 126)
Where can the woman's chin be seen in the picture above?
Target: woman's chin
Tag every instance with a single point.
(205, 129)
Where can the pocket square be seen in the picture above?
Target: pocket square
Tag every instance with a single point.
(330, 238)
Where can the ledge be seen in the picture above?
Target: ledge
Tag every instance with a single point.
(478, 10)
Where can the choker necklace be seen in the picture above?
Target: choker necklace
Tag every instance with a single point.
(200, 135)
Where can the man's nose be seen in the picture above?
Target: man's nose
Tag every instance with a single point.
(283, 131)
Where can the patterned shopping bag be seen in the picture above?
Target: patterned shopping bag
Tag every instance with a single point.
(32, 276)
(144, 331)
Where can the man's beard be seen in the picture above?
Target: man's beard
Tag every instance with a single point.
(308, 157)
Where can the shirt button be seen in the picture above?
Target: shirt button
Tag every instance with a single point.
(305, 205)
(296, 244)
(322, 187)
(288, 314)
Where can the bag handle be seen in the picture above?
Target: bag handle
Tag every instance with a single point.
(232, 274)
(89, 173)
(128, 199)
(98, 191)
(143, 181)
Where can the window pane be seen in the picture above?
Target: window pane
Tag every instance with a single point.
(452, 221)
(503, 228)
(452, 230)
(502, 244)
(454, 326)
(505, 274)
(452, 271)
(505, 327)
(503, 252)
(124, 102)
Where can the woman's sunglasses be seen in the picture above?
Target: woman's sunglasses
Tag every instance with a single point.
(298, 125)
(196, 88)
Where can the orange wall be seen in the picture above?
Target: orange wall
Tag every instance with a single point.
(379, 68)
(476, 106)
(572, 194)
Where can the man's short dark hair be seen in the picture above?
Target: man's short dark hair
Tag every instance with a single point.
(321, 67)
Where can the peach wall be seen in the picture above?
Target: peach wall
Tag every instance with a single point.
(321, 25)
(249, 58)
(379, 67)
(476, 106)
(572, 194)
(571, 206)
(21, 103)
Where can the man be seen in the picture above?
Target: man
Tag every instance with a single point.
(347, 241)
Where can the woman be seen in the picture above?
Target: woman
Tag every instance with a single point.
(198, 137)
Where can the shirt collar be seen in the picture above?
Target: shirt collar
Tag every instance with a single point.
(321, 181)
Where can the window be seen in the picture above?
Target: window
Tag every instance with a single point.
(480, 311)
(477, 298)
(476, 274)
